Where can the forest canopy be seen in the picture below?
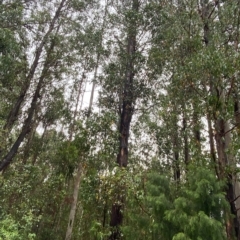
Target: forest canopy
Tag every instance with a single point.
(119, 119)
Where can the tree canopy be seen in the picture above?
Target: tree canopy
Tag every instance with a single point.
(119, 119)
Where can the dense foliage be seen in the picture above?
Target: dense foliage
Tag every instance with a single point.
(119, 119)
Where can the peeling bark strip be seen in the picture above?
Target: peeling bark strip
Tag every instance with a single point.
(12, 117)
(125, 119)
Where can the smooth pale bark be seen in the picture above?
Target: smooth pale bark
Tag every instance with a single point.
(212, 145)
(72, 214)
(93, 85)
(78, 177)
(80, 91)
(98, 59)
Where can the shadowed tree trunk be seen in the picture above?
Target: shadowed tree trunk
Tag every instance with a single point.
(125, 119)
(185, 138)
(27, 125)
(176, 146)
(12, 117)
(223, 132)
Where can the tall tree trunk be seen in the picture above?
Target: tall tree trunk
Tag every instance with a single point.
(78, 177)
(185, 137)
(125, 120)
(27, 125)
(80, 91)
(93, 85)
(98, 59)
(196, 130)
(176, 147)
(212, 145)
(222, 135)
(73, 209)
(12, 117)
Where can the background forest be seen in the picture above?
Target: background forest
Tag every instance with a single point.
(119, 119)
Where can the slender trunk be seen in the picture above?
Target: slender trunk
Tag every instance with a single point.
(196, 130)
(222, 135)
(185, 138)
(236, 176)
(71, 128)
(93, 85)
(237, 115)
(27, 125)
(72, 214)
(31, 135)
(79, 172)
(177, 172)
(212, 145)
(77, 179)
(223, 141)
(85, 87)
(175, 140)
(125, 120)
(98, 59)
(12, 117)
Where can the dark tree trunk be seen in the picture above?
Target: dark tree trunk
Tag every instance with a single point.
(25, 130)
(177, 172)
(176, 147)
(222, 135)
(185, 137)
(196, 129)
(13, 115)
(125, 120)
(27, 125)
(237, 115)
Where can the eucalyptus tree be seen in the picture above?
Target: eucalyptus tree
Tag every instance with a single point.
(220, 45)
(197, 40)
(12, 58)
(169, 116)
(13, 115)
(62, 48)
(121, 86)
(92, 42)
(52, 59)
